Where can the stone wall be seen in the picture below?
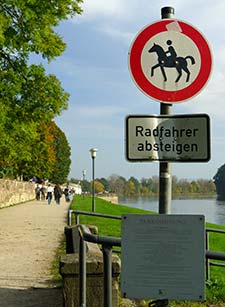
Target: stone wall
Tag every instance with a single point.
(111, 198)
(14, 192)
(69, 269)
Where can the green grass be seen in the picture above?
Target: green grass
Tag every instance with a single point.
(106, 227)
(215, 291)
(61, 250)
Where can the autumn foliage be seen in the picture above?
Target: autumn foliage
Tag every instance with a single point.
(30, 142)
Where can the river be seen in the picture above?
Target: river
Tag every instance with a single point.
(212, 209)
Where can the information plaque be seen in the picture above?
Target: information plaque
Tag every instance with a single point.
(163, 257)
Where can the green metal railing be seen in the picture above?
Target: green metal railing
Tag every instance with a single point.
(107, 243)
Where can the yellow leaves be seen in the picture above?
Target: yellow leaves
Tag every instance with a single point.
(3, 26)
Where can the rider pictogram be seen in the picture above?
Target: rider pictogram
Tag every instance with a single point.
(171, 51)
(170, 59)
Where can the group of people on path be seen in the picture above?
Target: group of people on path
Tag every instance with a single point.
(48, 193)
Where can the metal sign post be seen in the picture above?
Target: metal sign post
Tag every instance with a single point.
(165, 177)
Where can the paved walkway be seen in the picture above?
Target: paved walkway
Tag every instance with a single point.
(29, 236)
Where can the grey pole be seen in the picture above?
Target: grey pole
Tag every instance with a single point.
(93, 156)
(107, 257)
(82, 273)
(93, 184)
(165, 180)
(167, 12)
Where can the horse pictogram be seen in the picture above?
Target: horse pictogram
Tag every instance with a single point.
(170, 59)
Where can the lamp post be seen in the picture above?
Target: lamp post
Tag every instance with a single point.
(93, 156)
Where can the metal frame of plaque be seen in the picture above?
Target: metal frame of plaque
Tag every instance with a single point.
(163, 257)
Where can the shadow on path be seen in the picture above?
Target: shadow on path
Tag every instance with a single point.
(31, 297)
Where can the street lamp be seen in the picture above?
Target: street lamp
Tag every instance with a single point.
(93, 156)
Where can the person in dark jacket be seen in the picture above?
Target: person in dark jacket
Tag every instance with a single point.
(57, 193)
(67, 194)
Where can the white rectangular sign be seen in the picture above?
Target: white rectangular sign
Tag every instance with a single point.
(163, 257)
(178, 138)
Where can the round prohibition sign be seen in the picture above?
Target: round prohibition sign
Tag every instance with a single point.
(170, 61)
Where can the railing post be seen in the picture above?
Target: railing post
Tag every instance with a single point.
(69, 218)
(107, 263)
(207, 260)
(77, 220)
(82, 273)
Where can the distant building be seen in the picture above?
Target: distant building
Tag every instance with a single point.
(75, 188)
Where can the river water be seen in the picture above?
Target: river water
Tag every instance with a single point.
(212, 209)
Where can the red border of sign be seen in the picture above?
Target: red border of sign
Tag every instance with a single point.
(146, 86)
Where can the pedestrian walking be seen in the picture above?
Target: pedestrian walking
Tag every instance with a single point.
(37, 192)
(43, 191)
(57, 193)
(50, 191)
(67, 194)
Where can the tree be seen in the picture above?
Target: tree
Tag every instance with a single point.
(130, 188)
(98, 186)
(86, 188)
(194, 187)
(117, 184)
(136, 184)
(61, 166)
(105, 183)
(150, 186)
(219, 180)
(27, 26)
(48, 157)
(29, 98)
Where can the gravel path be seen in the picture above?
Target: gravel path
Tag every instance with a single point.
(29, 236)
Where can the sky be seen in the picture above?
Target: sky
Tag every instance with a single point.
(94, 70)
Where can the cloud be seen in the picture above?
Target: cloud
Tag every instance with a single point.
(92, 122)
(117, 13)
(112, 8)
(103, 112)
(122, 19)
(126, 10)
(116, 33)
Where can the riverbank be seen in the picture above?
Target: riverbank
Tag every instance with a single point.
(111, 198)
(174, 196)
